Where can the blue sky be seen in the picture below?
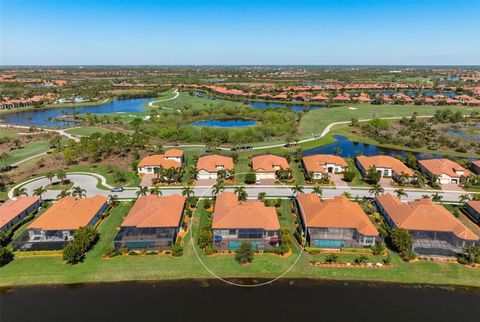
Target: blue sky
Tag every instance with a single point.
(320, 32)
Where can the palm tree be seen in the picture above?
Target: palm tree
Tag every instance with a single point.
(217, 188)
(158, 172)
(296, 189)
(187, 192)
(50, 175)
(142, 191)
(156, 191)
(464, 198)
(401, 193)
(62, 175)
(113, 200)
(4, 158)
(318, 191)
(261, 196)
(240, 192)
(337, 150)
(347, 195)
(63, 194)
(18, 192)
(78, 192)
(194, 173)
(39, 191)
(437, 197)
(434, 180)
(376, 190)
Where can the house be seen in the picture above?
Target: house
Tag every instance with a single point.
(473, 210)
(265, 166)
(434, 230)
(476, 166)
(152, 223)
(209, 165)
(447, 171)
(336, 223)
(13, 211)
(57, 225)
(170, 159)
(237, 221)
(387, 166)
(320, 164)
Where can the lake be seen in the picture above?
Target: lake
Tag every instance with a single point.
(46, 117)
(286, 300)
(225, 123)
(350, 149)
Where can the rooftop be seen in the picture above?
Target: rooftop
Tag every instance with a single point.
(443, 166)
(316, 163)
(210, 162)
(12, 208)
(268, 162)
(385, 161)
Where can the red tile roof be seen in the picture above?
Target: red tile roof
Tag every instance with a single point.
(210, 162)
(317, 162)
(385, 161)
(12, 208)
(268, 162)
(443, 166)
(161, 160)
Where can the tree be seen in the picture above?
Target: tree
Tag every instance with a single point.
(262, 196)
(337, 150)
(113, 200)
(349, 176)
(296, 189)
(50, 175)
(193, 173)
(373, 175)
(6, 256)
(244, 254)
(83, 241)
(78, 192)
(400, 192)
(4, 157)
(437, 197)
(470, 255)
(376, 190)
(250, 178)
(240, 192)
(378, 249)
(318, 191)
(63, 194)
(217, 188)
(464, 198)
(62, 175)
(18, 192)
(347, 195)
(187, 192)
(159, 172)
(402, 241)
(39, 191)
(156, 191)
(142, 191)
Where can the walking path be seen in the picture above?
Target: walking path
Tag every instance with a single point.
(59, 131)
(151, 104)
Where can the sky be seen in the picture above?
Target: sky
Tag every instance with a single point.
(205, 32)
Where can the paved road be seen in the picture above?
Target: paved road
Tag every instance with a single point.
(89, 182)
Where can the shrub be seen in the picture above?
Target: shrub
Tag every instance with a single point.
(387, 260)
(313, 250)
(192, 200)
(401, 240)
(83, 240)
(331, 258)
(250, 178)
(245, 253)
(207, 203)
(205, 238)
(378, 249)
(72, 253)
(349, 176)
(470, 255)
(177, 250)
(362, 259)
(6, 256)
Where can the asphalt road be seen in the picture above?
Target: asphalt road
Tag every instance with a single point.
(89, 182)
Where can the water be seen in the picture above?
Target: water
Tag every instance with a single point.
(468, 133)
(46, 117)
(295, 300)
(350, 149)
(225, 123)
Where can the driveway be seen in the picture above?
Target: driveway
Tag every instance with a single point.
(204, 182)
(386, 182)
(338, 180)
(147, 180)
(451, 187)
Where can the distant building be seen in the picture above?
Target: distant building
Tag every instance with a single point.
(152, 223)
(208, 166)
(13, 211)
(170, 159)
(435, 231)
(237, 221)
(336, 223)
(57, 225)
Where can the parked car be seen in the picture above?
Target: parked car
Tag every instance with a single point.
(116, 189)
(257, 181)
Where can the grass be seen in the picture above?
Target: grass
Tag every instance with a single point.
(59, 186)
(87, 130)
(52, 269)
(4, 133)
(109, 173)
(241, 168)
(358, 180)
(27, 151)
(297, 173)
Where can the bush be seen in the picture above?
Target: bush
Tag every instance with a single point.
(245, 253)
(205, 238)
(72, 253)
(207, 203)
(192, 200)
(401, 240)
(387, 260)
(177, 250)
(349, 176)
(331, 258)
(250, 178)
(313, 250)
(362, 259)
(6, 256)
(378, 249)
(83, 240)
(470, 255)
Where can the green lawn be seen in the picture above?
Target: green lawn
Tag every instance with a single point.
(52, 269)
(297, 173)
(7, 133)
(87, 130)
(28, 150)
(358, 180)
(109, 173)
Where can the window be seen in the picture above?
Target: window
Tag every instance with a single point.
(385, 172)
(250, 233)
(232, 232)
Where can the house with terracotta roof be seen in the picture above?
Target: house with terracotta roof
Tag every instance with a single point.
(387, 166)
(320, 164)
(435, 231)
(447, 171)
(170, 159)
(472, 208)
(13, 211)
(208, 166)
(336, 223)
(476, 166)
(57, 225)
(152, 223)
(250, 221)
(266, 166)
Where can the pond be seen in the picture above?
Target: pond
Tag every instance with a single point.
(350, 149)
(468, 133)
(225, 123)
(285, 300)
(46, 117)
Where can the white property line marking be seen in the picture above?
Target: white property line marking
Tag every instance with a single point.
(230, 282)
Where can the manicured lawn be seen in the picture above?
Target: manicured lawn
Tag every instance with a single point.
(297, 173)
(358, 180)
(87, 130)
(242, 167)
(28, 150)
(109, 173)
(58, 186)
(7, 133)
